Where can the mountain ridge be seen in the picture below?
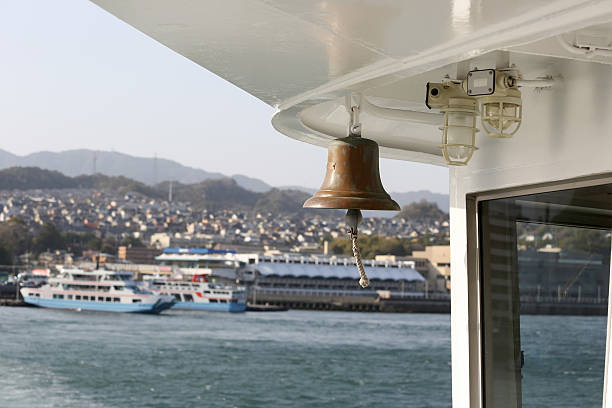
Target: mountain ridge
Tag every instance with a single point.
(212, 194)
(85, 161)
(151, 171)
(147, 170)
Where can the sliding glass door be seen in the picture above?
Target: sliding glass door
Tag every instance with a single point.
(544, 276)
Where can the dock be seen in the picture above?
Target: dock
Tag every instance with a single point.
(352, 300)
(10, 296)
(265, 308)
(13, 302)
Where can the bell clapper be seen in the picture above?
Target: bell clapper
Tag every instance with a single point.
(353, 219)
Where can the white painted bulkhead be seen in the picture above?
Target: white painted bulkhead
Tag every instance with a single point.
(566, 134)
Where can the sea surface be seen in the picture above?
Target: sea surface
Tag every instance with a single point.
(564, 361)
(52, 358)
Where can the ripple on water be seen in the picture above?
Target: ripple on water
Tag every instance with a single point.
(298, 359)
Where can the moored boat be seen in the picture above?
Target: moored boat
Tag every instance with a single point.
(97, 290)
(201, 295)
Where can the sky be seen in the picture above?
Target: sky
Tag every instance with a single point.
(73, 76)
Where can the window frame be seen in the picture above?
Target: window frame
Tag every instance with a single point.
(475, 285)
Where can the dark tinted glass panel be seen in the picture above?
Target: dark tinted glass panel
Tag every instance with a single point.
(545, 267)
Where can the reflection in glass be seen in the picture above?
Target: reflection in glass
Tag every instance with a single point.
(545, 267)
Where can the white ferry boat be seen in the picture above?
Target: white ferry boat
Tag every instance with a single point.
(97, 290)
(215, 265)
(202, 295)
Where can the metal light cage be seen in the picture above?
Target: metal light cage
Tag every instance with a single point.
(501, 116)
(459, 110)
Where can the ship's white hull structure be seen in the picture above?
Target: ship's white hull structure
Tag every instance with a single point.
(315, 62)
(202, 296)
(99, 290)
(203, 279)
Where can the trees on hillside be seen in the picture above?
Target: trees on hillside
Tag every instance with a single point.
(15, 239)
(48, 239)
(423, 211)
(373, 245)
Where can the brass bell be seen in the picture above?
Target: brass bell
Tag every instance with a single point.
(352, 180)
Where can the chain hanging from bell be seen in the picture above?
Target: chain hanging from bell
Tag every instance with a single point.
(352, 181)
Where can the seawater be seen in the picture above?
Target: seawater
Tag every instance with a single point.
(564, 361)
(53, 358)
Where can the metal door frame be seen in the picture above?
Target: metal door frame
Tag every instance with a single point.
(477, 383)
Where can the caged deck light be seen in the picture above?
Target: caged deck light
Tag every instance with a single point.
(501, 109)
(459, 123)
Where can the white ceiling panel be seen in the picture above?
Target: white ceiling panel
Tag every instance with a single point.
(297, 54)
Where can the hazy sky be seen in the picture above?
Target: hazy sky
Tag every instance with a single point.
(73, 76)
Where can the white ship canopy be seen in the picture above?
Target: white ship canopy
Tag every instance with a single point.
(304, 56)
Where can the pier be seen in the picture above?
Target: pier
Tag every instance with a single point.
(13, 302)
(351, 300)
(10, 296)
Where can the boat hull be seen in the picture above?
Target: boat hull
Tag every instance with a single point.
(153, 308)
(212, 307)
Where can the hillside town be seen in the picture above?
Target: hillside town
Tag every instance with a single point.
(163, 223)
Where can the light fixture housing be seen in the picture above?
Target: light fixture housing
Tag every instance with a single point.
(459, 123)
(501, 112)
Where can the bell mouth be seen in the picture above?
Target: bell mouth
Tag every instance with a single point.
(351, 201)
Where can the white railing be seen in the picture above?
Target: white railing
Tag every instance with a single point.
(344, 261)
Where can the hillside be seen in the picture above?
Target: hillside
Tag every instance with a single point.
(215, 194)
(212, 194)
(403, 199)
(251, 183)
(423, 211)
(147, 170)
(8, 159)
(119, 183)
(282, 202)
(32, 178)
(151, 171)
(227, 194)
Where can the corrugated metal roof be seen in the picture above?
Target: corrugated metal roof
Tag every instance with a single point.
(336, 271)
